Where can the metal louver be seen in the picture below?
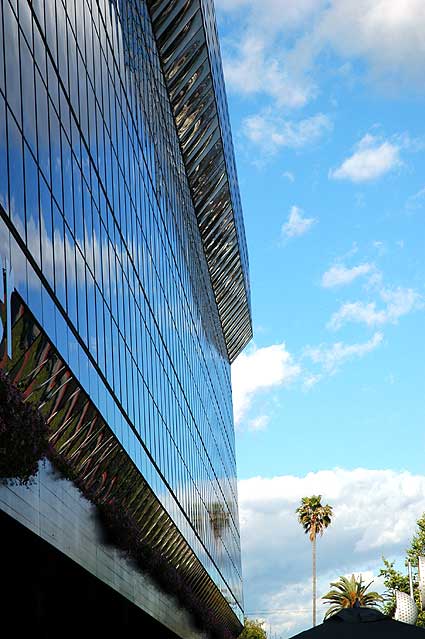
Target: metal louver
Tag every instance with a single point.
(192, 71)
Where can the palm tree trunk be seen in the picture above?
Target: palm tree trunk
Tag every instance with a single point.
(313, 542)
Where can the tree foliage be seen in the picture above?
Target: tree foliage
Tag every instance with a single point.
(346, 592)
(23, 435)
(396, 580)
(314, 517)
(253, 629)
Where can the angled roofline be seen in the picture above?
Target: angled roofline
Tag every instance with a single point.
(187, 41)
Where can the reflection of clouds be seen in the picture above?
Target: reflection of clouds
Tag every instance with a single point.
(11, 48)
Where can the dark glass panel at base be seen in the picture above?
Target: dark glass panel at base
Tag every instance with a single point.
(46, 594)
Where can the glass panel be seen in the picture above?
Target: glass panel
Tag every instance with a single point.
(34, 293)
(91, 313)
(50, 16)
(46, 231)
(11, 49)
(55, 155)
(31, 206)
(81, 296)
(71, 283)
(67, 182)
(49, 324)
(100, 330)
(28, 96)
(78, 204)
(4, 197)
(62, 45)
(59, 255)
(16, 176)
(42, 127)
(1, 50)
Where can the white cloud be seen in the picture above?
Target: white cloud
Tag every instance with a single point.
(386, 34)
(259, 423)
(259, 370)
(279, 54)
(252, 69)
(339, 275)
(380, 247)
(269, 17)
(311, 380)
(371, 160)
(271, 132)
(254, 59)
(398, 302)
(375, 513)
(333, 356)
(416, 201)
(297, 224)
(289, 176)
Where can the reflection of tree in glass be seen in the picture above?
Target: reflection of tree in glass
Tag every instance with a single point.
(198, 518)
(219, 518)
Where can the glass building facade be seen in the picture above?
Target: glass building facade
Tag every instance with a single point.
(122, 229)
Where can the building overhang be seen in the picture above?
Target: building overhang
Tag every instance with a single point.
(88, 450)
(191, 63)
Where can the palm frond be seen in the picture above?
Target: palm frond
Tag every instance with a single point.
(346, 592)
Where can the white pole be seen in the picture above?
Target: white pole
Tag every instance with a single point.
(409, 567)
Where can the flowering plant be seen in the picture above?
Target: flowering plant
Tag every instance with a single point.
(23, 435)
(24, 442)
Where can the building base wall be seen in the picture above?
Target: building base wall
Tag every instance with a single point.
(59, 573)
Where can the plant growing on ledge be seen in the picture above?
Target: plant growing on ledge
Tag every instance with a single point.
(23, 435)
(24, 441)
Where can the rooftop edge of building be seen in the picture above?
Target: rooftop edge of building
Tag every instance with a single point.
(187, 41)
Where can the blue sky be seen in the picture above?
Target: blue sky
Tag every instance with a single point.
(326, 99)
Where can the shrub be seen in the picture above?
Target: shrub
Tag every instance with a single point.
(23, 435)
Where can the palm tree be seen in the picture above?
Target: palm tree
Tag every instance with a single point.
(314, 518)
(348, 593)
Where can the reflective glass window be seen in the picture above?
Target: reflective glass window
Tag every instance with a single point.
(42, 127)
(32, 206)
(66, 165)
(4, 196)
(34, 292)
(73, 77)
(48, 315)
(28, 96)
(55, 155)
(16, 175)
(1, 50)
(40, 52)
(46, 230)
(59, 255)
(50, 17)
(11, 50)
(62, 43)
(78, 204)
(91, 313)
(81, 296)
(71, 279)
(88, 226)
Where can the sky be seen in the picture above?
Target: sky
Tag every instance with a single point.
(326, 101)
